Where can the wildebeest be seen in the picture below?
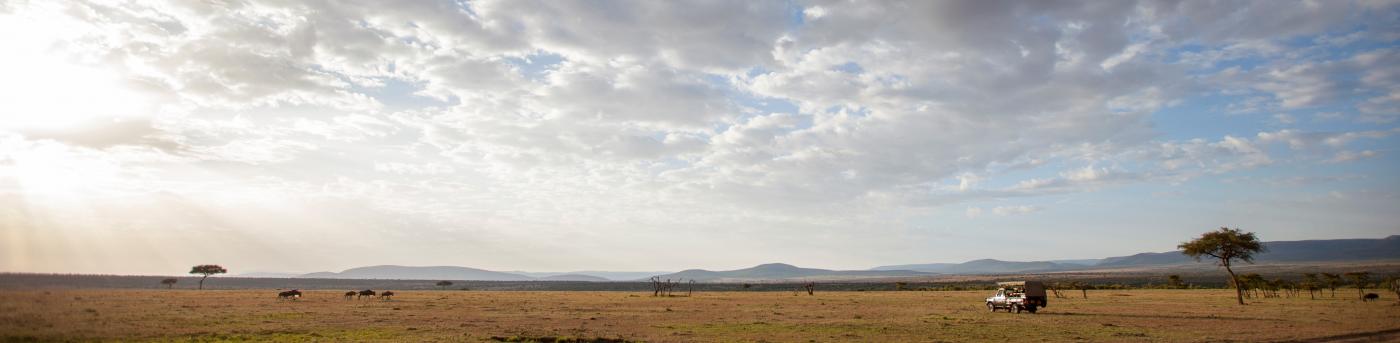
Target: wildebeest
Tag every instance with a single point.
(386, 295)
(349, 295)
(1370, 297)
(292, 294)
(366, 293)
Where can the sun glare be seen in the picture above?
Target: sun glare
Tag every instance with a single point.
(52, 172)
(44, 88)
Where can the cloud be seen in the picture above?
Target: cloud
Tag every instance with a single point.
(1348, 156)
(973, 212)
(1014, 210)
(567, 126)
(1298, 140)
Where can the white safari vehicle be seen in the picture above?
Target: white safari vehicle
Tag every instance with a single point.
(1016, 296)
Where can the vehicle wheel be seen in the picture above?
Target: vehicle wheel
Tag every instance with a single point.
(1017, 308)
(991, 307)
(1031, 309)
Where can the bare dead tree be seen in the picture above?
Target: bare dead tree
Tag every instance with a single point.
(691, 288)
(810, 286)
(662, 288)
(656, 286)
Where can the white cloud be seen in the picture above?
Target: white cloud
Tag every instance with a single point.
(973, 212)
(568, 126)
(1348, 155)
(1014, 210)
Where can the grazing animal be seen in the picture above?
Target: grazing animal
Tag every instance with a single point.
(1370, 297)
(349, 295)
(366, 293)
(290, 295)
(386, 295)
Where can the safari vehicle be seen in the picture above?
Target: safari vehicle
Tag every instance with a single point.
(1016, 296)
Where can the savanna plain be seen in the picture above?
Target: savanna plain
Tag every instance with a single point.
(475, 316)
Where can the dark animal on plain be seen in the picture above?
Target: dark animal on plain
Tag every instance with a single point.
(366, 293)
(1370, 297)
(290, 295)
(349, 295)
(386, 295)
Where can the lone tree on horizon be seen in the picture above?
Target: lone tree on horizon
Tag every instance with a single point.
(1226, 245)
(444, 284)
(207, 270)
(169, 283)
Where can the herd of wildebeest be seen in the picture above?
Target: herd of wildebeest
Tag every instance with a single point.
(350, 295)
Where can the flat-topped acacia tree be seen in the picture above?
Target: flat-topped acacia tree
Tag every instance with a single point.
(169, 283)
(1359, 279)
(207, 270)
(1226, 245)
(1332, 281)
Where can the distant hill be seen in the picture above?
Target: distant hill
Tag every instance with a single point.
(389, 272)
(1081, 262)
(1309, 251)
(610, 276)
(984, 266)
(419, 273)
(781, 271)
(573, 277)
(1332, 250)
(266, 275)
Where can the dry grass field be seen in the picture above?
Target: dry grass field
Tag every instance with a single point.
(1134, 315)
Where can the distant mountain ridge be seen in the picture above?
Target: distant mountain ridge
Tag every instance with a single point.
(419, 273)
(1331, 250)
(983, 266)
(782, 271)
(608, 275)
(392, 272)
(1335, 250)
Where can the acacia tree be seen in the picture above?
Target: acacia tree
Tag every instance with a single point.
(1393, 283)
(1226, 245)
(444, 284)
(1359, 279)
(1083, 288)
(1333, 280)
(207, 270)
(169, 283)
(1310, 282)
(1251, 284)
(1174, 281)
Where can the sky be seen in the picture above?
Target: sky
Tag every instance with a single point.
(144, 137)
